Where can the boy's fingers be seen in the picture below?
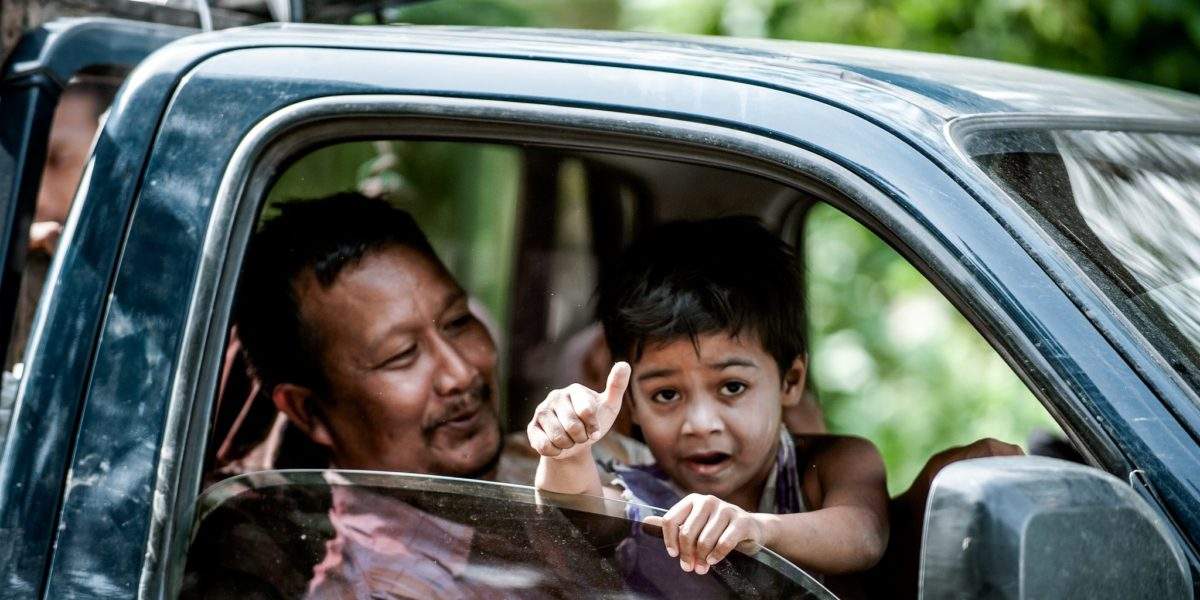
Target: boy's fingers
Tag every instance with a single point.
(718, 523)
(614, 390)
(583, 402)
(690, 529)
(571, 423)
(548, 421)
(539, 441)
(726, 543)
(670, 526)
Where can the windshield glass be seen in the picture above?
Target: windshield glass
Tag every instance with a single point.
(1126, 206)
(332, 534)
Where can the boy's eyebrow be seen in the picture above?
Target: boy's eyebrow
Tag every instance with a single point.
(653, 373)
(732, 362)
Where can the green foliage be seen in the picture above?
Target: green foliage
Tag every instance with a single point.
(1153, 42)
(894, 362)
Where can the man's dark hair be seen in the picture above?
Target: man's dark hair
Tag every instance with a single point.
(689, 278)
(325, 236)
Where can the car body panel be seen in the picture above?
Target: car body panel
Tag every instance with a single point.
(163, 153)
(32, 467)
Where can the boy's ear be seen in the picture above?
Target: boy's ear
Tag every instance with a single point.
(793, 381)
(299, 404)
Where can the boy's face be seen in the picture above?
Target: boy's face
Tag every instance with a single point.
(711, 416)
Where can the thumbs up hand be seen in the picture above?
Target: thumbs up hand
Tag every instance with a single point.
(570, 420)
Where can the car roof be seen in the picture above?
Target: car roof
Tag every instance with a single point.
(941, 86)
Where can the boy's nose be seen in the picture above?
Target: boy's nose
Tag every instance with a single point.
(703, 417)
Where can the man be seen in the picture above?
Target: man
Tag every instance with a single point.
(360, 335)
(363, 339)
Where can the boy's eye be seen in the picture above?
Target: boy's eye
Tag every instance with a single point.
(732, 388)
(665, 396)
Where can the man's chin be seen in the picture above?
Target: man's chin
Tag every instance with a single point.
(480, 460)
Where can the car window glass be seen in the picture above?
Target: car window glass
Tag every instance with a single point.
(259, 534)
(1125, 205)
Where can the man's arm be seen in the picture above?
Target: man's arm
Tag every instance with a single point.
(564, 427)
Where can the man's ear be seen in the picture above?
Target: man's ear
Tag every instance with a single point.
(793, 381)
(299, 404)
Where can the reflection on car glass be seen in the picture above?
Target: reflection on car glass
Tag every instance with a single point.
(1126, 207)
(316, 534)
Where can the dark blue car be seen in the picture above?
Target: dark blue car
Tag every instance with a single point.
(1060, 215)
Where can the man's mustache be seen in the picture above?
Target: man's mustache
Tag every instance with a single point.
(474, 399)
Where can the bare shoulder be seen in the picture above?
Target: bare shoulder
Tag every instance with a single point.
(842, 450)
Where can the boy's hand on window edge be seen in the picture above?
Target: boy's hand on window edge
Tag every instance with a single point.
(702, 530)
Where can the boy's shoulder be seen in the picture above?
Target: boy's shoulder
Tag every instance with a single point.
(816, 448)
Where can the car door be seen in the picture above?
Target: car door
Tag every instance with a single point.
(244, 104)
(33, 464)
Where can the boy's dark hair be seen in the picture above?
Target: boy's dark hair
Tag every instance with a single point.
(325, 235)
(688, 278)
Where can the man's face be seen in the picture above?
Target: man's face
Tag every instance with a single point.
(410, 371)
(711, 412)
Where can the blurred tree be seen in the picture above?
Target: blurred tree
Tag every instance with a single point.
(1155, 42)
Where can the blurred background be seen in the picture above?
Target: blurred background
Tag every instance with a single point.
(892, 360)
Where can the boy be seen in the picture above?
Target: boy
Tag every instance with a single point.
(709, 315)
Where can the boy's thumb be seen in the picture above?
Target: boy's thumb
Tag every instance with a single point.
(618, 380)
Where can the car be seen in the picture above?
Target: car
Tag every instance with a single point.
(1055, 212)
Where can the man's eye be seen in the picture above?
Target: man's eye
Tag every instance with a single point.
(732, 388)
(460, 322)
(402, 358)
(665, 396)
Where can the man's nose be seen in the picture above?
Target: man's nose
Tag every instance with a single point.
(455, 373)
(703, 416)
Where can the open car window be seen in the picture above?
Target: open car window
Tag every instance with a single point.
(418, 536)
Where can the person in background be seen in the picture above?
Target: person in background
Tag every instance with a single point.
(76, 120)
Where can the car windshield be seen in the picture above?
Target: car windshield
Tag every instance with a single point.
(1126, 206)
(325, 533)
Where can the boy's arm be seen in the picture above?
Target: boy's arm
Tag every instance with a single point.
(564, 427)
(849, 532)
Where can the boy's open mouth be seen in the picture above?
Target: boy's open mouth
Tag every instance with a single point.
(707, 463)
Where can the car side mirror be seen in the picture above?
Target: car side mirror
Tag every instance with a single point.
(1035, 527)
